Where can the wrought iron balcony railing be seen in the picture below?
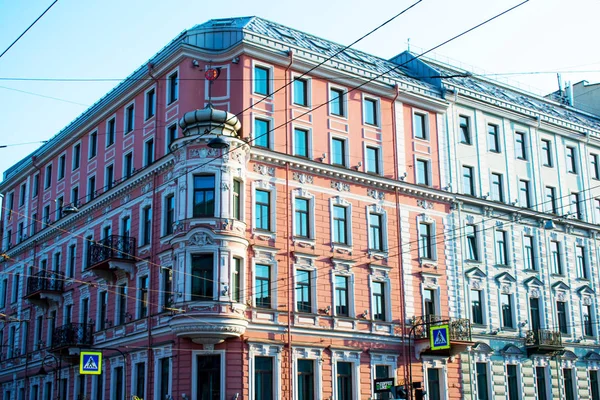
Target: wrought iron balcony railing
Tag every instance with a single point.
(543, 338)
(460, 328)
(112, 247)
(72, 335)
(45, 281)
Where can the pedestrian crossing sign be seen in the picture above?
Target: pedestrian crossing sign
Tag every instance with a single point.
(90, 363)
(439, 336)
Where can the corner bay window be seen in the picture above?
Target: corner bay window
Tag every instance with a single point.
(202, 277)
(204, 196)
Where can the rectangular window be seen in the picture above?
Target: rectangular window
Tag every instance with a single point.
(524, 198)
(150, 103)
(204, 196)
(146, 225)
(300, 92)
(202, 277)
(46, 217)
(262, 133)
(373, 160)
(571, 160)
(476, 307)
(513, 382)
(142, 297)
(429, 304)
(164, 365)
(263, 210)
(169, 214)
(529, 260)
(423, 172)
(588, 321)
(4, 294)
(468, 180)
(561, 311)
(551, 205)
(171, 136)
(534, 308)
(167, 287)
(302, 222)
(263, 378)
(300, 142)
(34, 223)
(118, 393)
(20, 232)
(99, 388)
(111, 127)
(121, 304)
(72, 260)
(482, 381)
(376, 232)
(425, 245)
(262, 286)
(507, 311)
(60, 202)
(338, 152)
(344, 380)
(209, 377)
(434, 391)
(129, 118)
(109, 177)
(594, 166)
(497, 187)
(569, 384)
(148, 152)
(303, 291)
(35, 186)
(575, 206)
(419, 126)
(472, 242)
(520, 148)
(93, 145)
(102, 309)
(237, 200)
(261, 80)
(173, 87)
(91, 188)
(236, 277)
(128, 165)
(22, 191)
(501, 250)
(75, 196)
(76, 157)
(493, 138)
(379, 306)
(580, 262)
(62, 163)
(336, 102)
(341, 296)
(594, 385)
(370, 111)
(556, 258)
(340, 225)
(15, 289)
(546, 153)
(464, 126)
(140, 380)
(540, 381)
(306, 379)
(47, 177)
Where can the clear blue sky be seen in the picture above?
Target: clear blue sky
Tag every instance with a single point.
(110, 39)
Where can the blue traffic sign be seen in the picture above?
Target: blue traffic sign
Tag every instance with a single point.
(439, 337)
(90, 363)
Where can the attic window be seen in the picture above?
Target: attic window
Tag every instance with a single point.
(283, 33)
(358, 57)
(319, 44)
(223, 22)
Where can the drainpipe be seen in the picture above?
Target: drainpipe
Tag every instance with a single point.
(155, 246)
(156, 113)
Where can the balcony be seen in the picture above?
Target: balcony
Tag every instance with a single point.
(543, 341)
(113, 253)
(44, 287)
(460, 334)
(72, 335)
(210, 322)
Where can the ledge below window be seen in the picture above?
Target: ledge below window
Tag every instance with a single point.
(341, 248)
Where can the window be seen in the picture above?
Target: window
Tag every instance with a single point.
(520, 148)
(301, 222)
(419, 126)
(91, 188)
(262, 285)
(338, 151)
(262, 133)
(423, 172)
(172, 87)
(472, 242)
(146, 225)
(561, 311)
(340, 225)
(300, 142)
(464, 126)
(524, 198)
(261, 80)
(433, 384)
(306, 379)
(4, 293)
(204, 196)
(529, 260)
(237, 192)
(129, 118)
(497, 187)
(493, 138)
(373, 160)
(551, 200)
(202, 277)
(534, 309)
(45, 217)
(568, 384)
(236, 271)
(575, 206)
(35, 186)
(595, 389)
(540, 381)
(34, 222)
(142, 308)
(379, 306)
(62, 162)
(376, 232)
(150, 103)
(344, 380)
(571, 162)
(425, 239)
(140, 380)
(118, 390)
(209, 377)
(126, 226)
(15, 289)
(370, 111)
(102, 309)
(128, 165)
(169, 214)
(263, 210)
(121, 304)
(546, 153)
(99, 387)
(164, 365)
(37, 335)
(109, 177)
(300, 89)
(513, 382)
(20, 232)
(580, 261)
(588, 321)
(263, 378)
(148, 152)
(60, 202)
(482, 381)
(93, 145)
(75, 196)
(47, 177)
(594, 166)
(429, 304)
(501, 248)
(303, 291)
(476, 307)
(336, 102)
(167, 286)
(341, 296)
(468, 180)
(507, 311)
(72, 260)
(171, 136)
(111, 126)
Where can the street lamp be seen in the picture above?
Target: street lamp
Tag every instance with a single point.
(57, 369)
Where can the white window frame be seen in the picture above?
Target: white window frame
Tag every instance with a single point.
(343, 99)
(377, 101)
(146, 116)
(314, 307)
(167, 150)
(378, 210)
(345, 139)
(264, 350)
(112, 117)
(436, 363)
(379, 158)
(389, 360)
(119, 299)
(429, 171)
(195, 353)
(47, 176)
(502, 186)
(339, 201)
(145, 163)
(307, 79)
(116, 362)
(300, 193)
(484, 316)
(269, 83)
(352, 357)
(218, 192)
(483, 358)
(126, 120)
(271, 134)
(380, 274)
(315, 355)
(147, 203)
(511, 360)
(426, 219)
(547, 376)
(426, 128)
(309, 141)
(272, 189)
(513, 309)
(124, 164)
(430, 282)
(266, 256)
(138, 297)
(106, 183)
(88, 191)
(343, 268)
(588, 300)
(62, 157)
(168, 91)
(138, 358)
(163, 221)
(201, 250)
(90, 142)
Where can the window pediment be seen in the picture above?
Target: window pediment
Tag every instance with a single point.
(585, 291)
(475, 273)
(533, 283)
(561, 287)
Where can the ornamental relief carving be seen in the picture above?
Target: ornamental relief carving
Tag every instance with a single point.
(200, 239)
(302, 178)
(377, 195)
(535, 293)
(264, 170)
(340, 187)
(425, 204)
(203, 152)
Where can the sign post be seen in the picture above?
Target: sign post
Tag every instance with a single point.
(90, 363)
(439, 337)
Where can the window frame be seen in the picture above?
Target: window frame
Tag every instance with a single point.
(345, 156)
(469, 134)
(111, 136)
(172, 95)
(471, 180)
(546, 151)
(425, 120)
(149, 108)
(571, 159)
(306, 80)
(129, 120)
(501, 196)
(427, 172)
(520, 146)
(270, 140)
(376, 110)
(308, 133)
(378, 159)
(342, 100)
(269, 69)
(93, 144)
(493, 139)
